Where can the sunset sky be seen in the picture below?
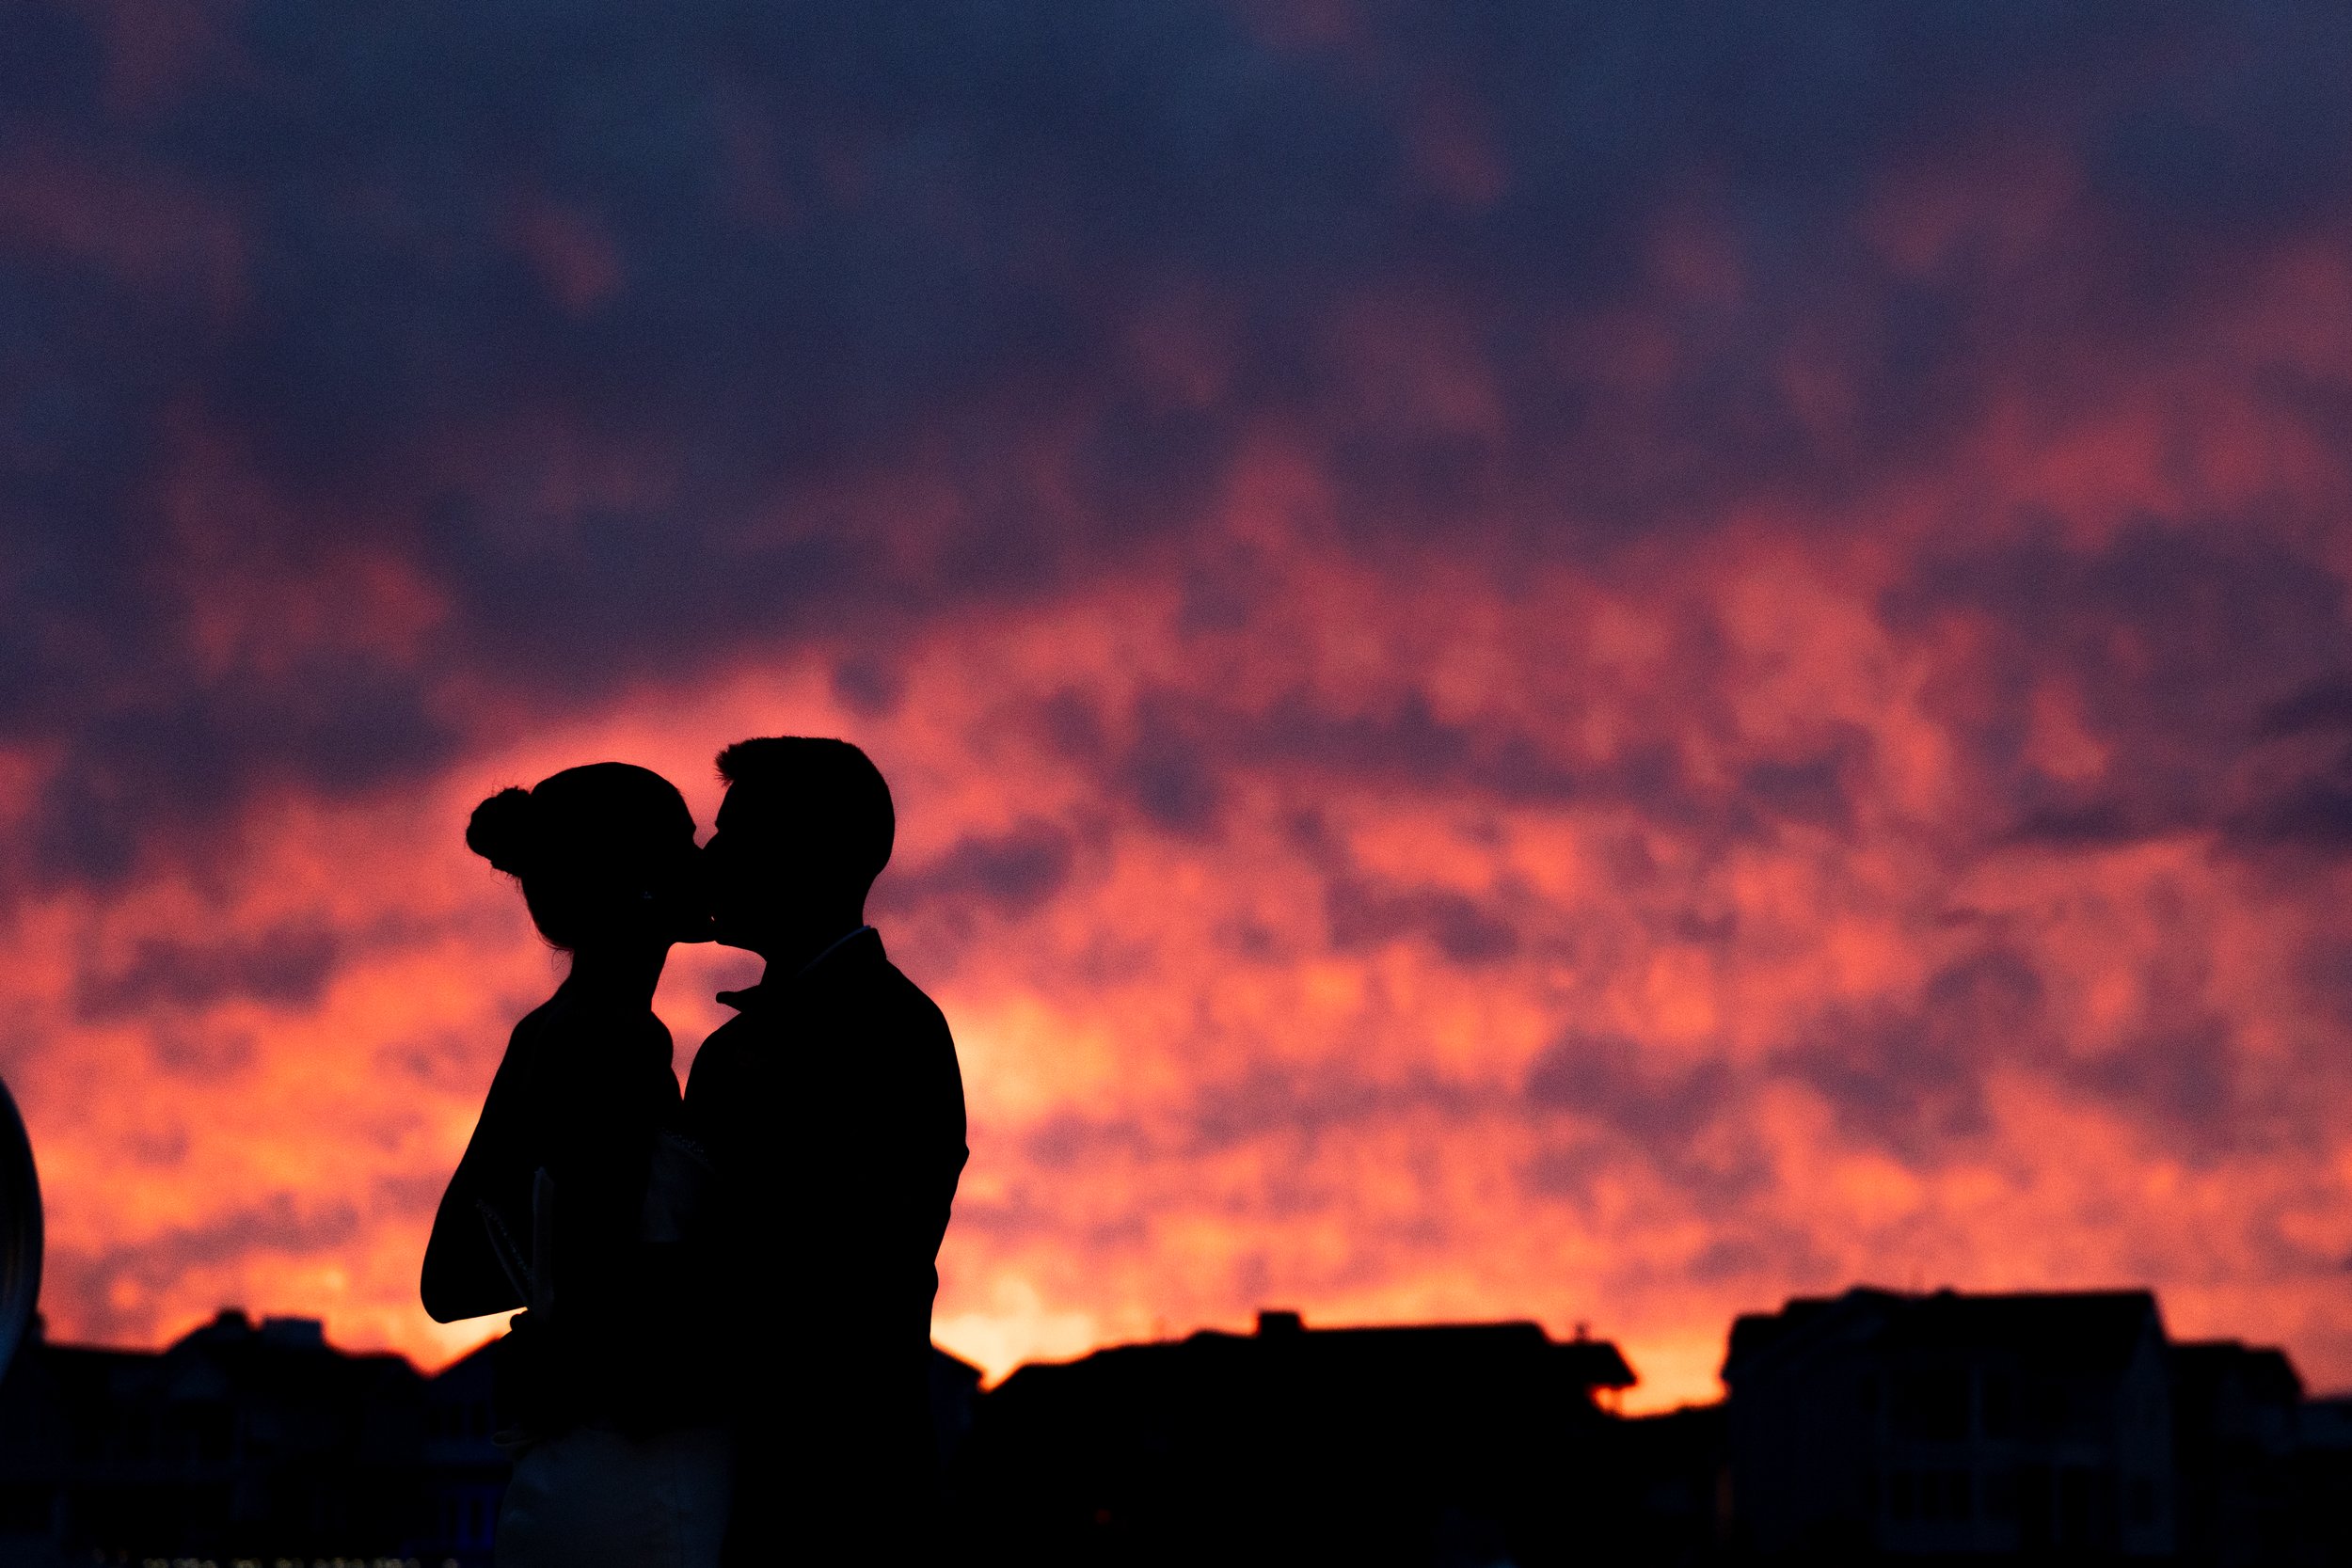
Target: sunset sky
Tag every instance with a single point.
(1596, 662)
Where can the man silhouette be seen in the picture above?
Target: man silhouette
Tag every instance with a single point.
(832, 1106)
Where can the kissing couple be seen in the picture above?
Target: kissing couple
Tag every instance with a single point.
(722, 1355)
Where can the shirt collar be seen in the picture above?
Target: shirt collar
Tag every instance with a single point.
(771, 986)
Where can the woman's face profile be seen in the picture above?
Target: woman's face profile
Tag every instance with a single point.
(680, 898)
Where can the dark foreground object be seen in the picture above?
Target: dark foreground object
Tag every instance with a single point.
(2040, 1427)
(1873, 1427)
(1474, 1444)
(263, 1442)
(237, 1441)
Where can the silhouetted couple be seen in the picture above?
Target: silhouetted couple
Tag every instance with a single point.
(728, 1293)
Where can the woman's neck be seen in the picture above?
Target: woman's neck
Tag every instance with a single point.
(623, 976)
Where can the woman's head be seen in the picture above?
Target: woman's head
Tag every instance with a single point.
(605, 854)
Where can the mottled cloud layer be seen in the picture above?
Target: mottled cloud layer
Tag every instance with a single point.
(1591, 662)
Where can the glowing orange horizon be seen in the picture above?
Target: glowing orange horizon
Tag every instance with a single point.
(1201, 1083)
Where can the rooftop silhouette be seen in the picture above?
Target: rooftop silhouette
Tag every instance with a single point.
(1872, 1426)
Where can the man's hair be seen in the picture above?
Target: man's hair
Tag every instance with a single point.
(826, 795)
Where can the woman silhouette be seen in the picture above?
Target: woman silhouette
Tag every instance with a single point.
(577, 1195)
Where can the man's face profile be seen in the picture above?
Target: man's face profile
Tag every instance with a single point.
(743, 862)
(782, 863)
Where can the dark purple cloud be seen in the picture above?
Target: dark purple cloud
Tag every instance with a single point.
(593, 316)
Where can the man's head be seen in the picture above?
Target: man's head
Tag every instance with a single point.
(805, 828)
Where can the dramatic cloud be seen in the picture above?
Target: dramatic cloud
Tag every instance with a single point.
(1590, 661)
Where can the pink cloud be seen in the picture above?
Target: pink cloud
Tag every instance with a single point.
(1515, 690)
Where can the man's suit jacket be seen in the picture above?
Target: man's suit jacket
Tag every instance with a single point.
(834, 1109)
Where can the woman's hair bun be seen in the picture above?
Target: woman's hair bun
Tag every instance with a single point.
(504, 830)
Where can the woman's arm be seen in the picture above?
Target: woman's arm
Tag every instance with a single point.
(463, 1276)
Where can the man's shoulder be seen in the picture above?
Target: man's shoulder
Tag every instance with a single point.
(907, 1002)
(745, 1022)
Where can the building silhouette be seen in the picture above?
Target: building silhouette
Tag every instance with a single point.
(1953, 1425)
(239, 1440)
(263, 1442)
(2237, 1432)
(463, 1471)
(1667, 1477)
(1450, 1444)
(2323, 1482)
(1874, 1426)
(2063, 1427)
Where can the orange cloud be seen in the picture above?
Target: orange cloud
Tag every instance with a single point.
(1593, 672)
